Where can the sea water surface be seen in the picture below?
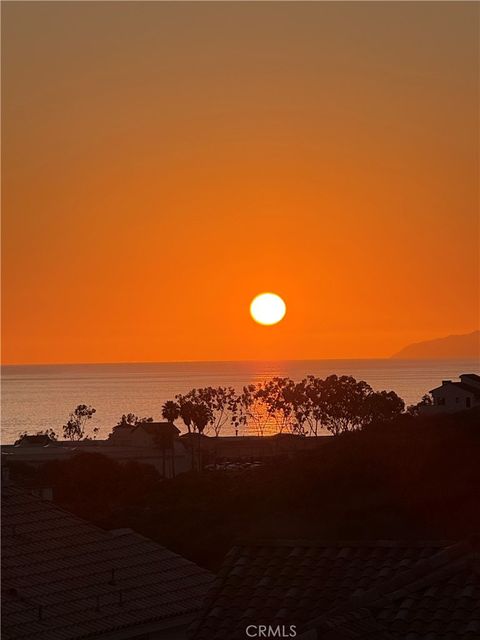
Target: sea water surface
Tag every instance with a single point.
(42, 396)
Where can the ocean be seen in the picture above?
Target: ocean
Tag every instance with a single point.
(42, 396)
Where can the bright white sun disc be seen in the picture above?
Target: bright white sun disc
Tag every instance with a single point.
(267, 308)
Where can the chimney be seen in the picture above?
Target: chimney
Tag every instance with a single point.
(5, 476)
(471, 378)
(47, 493)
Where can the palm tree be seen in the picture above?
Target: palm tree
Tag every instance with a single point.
(202, 415)
(186, 410)
(170, 411)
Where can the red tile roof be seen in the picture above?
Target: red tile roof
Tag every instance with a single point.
(65, 579)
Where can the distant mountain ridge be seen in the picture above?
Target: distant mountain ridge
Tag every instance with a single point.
(456, 346)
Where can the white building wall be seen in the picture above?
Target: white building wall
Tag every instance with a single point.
(450, 398)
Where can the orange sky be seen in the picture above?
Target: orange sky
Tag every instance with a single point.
(165, 162)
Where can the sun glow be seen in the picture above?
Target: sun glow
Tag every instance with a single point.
(267, 308)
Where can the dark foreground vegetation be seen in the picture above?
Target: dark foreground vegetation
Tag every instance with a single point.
(414, 478)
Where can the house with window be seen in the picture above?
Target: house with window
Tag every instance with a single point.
(452, 396)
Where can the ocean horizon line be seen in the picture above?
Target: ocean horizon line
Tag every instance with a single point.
(35, 397)
(246, 360)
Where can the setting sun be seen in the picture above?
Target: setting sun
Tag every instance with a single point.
(268, 308)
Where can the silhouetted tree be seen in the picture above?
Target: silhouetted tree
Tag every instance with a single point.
(414, 409)
(186, 407)
(278, 397)
(343, 403)
(131, 420)
(186, 410)
(336, 403)
(309, 403)
(251, 408)
(170, 411)
(201, 416)
(382, 406)
(75, 427)
(221, 403)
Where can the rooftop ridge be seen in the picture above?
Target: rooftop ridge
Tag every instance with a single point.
(315, 542)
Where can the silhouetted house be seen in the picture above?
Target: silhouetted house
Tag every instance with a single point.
(455, 396)
(39, 440)
(121, 434)
(161, 437)
(65, 579)
(145, 434)
(345, 591)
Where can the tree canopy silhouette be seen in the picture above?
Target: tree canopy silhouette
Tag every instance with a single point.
(74, 429)
(338, 404)
(131, 420)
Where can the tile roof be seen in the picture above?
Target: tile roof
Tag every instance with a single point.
(157, 428)
(473, 376)
(293, 582)
(461, 385)
(468, 387)
(357, 625)
(65, 579)
(438, 598)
